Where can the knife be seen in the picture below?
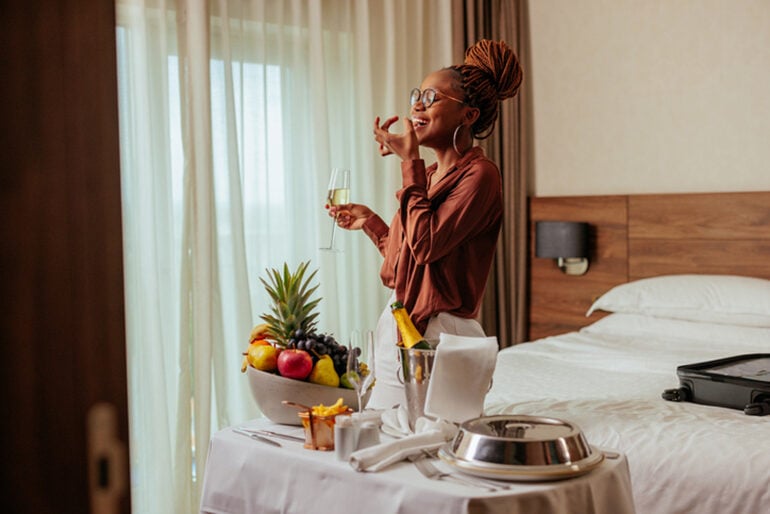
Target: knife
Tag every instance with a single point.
(257, 437)
(277, 434)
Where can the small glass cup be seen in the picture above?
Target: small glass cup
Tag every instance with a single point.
(319, 430)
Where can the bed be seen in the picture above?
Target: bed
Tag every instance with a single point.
(677, 279)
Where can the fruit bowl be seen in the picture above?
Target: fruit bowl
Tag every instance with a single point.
(269, 390)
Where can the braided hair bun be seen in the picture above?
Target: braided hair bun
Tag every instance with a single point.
(497, 60)
(491, 73)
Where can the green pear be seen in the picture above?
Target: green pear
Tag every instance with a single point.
(348, 379)
(323, 372)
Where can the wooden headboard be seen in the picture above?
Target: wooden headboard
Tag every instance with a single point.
(637, 236)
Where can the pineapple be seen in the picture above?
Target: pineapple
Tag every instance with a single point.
(292, 307)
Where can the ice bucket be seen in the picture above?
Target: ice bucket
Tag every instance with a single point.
(416, 366)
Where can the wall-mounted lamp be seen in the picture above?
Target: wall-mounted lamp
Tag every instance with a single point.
(565, 241)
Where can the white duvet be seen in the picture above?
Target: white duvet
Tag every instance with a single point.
(608, 379)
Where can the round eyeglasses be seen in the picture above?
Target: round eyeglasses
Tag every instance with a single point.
(427, 96)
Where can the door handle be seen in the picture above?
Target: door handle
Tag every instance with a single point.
(107, 464)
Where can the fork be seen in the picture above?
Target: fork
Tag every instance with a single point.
(431, 472)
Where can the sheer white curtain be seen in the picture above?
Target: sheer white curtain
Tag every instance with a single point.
(232, 115)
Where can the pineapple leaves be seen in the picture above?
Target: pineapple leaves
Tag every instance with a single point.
(291, 307)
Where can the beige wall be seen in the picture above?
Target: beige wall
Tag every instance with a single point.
(650, 96)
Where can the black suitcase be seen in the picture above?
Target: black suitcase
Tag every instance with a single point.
(739, 382)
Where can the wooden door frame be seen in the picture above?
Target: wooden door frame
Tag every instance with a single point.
(61, 274)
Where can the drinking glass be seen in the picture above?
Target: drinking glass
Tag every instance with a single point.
(339, 194)
(361, 384)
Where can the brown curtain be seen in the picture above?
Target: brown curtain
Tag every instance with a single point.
(504, 308)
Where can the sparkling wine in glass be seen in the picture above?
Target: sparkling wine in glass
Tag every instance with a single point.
(338, 194)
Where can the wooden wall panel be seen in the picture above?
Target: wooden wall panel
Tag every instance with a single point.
(653, 257)
(727, 216)
(558, 302)
(640, 236)
(719, 233)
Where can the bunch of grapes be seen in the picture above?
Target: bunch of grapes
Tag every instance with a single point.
(322, 344)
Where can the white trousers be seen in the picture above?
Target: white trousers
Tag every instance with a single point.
(388, 390)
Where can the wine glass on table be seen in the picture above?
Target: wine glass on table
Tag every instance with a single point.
(354, 369)
(339, 194)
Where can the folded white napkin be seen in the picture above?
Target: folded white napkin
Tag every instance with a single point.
(395, 421)
(460, 378)
(429, 435)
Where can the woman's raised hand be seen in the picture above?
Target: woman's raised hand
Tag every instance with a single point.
(404, 145)
(350, 216)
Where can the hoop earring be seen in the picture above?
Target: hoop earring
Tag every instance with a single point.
(454, 139)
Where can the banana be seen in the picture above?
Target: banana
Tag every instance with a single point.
(258, 332)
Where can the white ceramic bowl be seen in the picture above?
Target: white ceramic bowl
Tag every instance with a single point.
(269, 390)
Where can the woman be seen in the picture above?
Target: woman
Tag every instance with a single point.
(440, 244)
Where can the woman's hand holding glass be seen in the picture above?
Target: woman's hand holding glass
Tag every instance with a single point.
(350, 216)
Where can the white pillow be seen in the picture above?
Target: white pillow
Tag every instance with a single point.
(714, 298)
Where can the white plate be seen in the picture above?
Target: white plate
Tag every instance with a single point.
(522, 473)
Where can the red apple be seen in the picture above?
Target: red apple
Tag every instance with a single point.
(295, 364)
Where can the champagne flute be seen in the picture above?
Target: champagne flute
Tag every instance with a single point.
(339, 194)
(360, 384)
(369, 356)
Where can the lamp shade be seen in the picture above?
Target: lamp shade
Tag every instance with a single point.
(561, 239)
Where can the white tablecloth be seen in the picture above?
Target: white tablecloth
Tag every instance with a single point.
(246, 476)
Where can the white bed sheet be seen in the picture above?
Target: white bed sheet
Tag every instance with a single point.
(608, 379)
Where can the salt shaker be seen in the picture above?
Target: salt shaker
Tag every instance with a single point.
(345, 437)
(368, 435)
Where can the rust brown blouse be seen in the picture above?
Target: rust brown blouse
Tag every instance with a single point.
(440, 244)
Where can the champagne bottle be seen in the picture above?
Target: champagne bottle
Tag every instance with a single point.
(410, 336)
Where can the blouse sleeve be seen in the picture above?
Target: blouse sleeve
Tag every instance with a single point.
(378, 231)
(473, 205)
